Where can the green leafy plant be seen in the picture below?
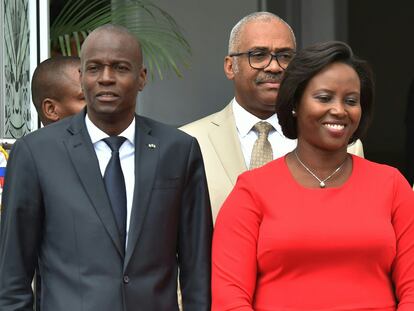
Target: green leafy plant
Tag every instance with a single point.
(163, 43)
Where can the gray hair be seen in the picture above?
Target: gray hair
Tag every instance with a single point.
(235, 33)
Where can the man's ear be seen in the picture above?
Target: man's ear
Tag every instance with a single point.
(49, 109)
(80, 77)
(228, 67)
(142, 79)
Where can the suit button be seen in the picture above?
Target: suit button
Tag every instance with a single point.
(126, 279)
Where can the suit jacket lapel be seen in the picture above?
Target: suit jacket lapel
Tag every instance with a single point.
(146, 161)
(83, 157)
(226, 143)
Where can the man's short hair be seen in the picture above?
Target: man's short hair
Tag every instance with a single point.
(46, 77)
(235, 34)
(115, 28)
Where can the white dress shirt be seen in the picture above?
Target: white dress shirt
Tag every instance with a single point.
(245, 122)
(126, 156)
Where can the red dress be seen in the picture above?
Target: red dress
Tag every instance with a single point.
(278, 246)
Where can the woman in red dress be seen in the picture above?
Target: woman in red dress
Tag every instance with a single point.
(318, 229)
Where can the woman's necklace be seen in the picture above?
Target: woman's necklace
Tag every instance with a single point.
(321, 181)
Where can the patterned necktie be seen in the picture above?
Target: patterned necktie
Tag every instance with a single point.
(115, 184)
(262, 150)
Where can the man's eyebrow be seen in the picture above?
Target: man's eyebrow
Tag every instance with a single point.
(258, 48)
(286, 49)
(114, 61)
(263, 48)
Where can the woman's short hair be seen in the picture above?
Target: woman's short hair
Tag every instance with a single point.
(305, 65)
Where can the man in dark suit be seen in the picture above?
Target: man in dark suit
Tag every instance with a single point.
(59, 207)
(56, 94)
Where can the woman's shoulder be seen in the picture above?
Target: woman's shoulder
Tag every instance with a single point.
(374, 170)
(373, 166)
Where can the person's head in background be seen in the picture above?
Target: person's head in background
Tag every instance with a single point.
(56, 90)
(261, 46)
(318, 88)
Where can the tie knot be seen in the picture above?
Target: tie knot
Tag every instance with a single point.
(114, 142)
(263, 128)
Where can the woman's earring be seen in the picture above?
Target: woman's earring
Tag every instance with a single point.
(294, 113)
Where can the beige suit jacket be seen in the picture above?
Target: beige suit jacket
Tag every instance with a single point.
(222, 154)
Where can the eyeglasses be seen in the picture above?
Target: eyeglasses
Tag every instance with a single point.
(262, 59)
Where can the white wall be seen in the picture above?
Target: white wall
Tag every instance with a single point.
(204, 88)
(317, 21)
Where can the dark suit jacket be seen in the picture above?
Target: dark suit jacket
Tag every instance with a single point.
(56, 208)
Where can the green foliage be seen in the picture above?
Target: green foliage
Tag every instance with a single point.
(164, 46)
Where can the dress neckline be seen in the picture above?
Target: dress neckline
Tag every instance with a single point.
(292, 180)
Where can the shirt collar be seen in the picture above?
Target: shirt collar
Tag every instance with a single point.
(97, 134)
(245, 120)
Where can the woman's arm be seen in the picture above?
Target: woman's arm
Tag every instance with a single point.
(403, 222)
(234, 260)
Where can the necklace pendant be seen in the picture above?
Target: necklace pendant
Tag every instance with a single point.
(321, 182)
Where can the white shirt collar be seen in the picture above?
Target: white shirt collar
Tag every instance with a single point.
(97, 134)
(245, 120)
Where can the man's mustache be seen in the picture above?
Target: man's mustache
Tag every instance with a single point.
(269, 77)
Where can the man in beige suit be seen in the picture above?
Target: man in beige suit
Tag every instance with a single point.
(227, 137)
